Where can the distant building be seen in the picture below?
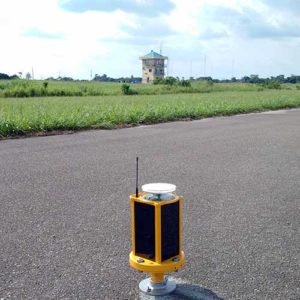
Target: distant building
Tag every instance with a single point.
(153, 66)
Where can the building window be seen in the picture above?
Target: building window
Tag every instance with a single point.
(150, 70)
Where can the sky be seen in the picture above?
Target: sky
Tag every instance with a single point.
(217, 38)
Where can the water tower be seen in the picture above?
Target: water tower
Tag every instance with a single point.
(153, 66)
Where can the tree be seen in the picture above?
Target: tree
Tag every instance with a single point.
(292, 79)
(4, 76)
(170, 80)
(254, 78)
(245, 79)
(14, 77)
(280, 78)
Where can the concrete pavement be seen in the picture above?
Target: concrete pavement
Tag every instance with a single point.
(65, 217)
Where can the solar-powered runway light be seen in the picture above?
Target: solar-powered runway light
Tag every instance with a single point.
(156, 236)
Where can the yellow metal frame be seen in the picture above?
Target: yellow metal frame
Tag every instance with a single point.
(151, 266)
(156, 267)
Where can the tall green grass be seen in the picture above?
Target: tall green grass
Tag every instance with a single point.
(30, 115)
(36, 88)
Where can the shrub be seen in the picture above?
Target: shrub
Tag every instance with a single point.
(43, 92)
(184, 83)
(32, 92)
(125, 89)
(158, 80)
(20, 92)
(170, 80)
(209, 83)
(273, 84)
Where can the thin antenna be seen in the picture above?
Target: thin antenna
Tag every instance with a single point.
(160, 48)
(137, 178)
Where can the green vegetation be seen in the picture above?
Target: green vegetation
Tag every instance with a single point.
(126, 90)
(21, 88)
(172, 81)
(273, 84)
(36, 114)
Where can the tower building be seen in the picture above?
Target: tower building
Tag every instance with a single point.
(153, 66)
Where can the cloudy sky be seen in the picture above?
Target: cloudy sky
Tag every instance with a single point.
(218, 38)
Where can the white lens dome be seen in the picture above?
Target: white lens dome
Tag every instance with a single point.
(159, 188)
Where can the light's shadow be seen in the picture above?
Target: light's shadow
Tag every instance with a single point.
(185, 291)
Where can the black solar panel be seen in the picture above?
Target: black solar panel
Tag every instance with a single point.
(170, 230)
(144, 230)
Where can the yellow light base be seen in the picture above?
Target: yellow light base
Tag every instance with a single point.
(145, 265)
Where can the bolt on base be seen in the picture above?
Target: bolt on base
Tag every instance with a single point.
(149, 287)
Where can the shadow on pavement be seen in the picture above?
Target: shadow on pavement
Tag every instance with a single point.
(185, 291)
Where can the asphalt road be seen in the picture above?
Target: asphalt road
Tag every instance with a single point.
(65, 217)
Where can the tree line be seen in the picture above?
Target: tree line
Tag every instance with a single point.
(254, 79)
(132, 79)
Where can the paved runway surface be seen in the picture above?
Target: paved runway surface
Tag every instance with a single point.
(65, 217)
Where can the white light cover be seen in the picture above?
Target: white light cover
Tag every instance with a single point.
(159, 188)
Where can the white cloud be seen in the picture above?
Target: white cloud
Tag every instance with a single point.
(256, 35)
(82, 33)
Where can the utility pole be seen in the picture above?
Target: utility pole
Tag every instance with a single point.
(160, 48)
(204, 69)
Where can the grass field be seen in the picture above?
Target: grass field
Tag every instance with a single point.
(36, 88)
(23, 116)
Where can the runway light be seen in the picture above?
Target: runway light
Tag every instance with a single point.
(156, 236)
